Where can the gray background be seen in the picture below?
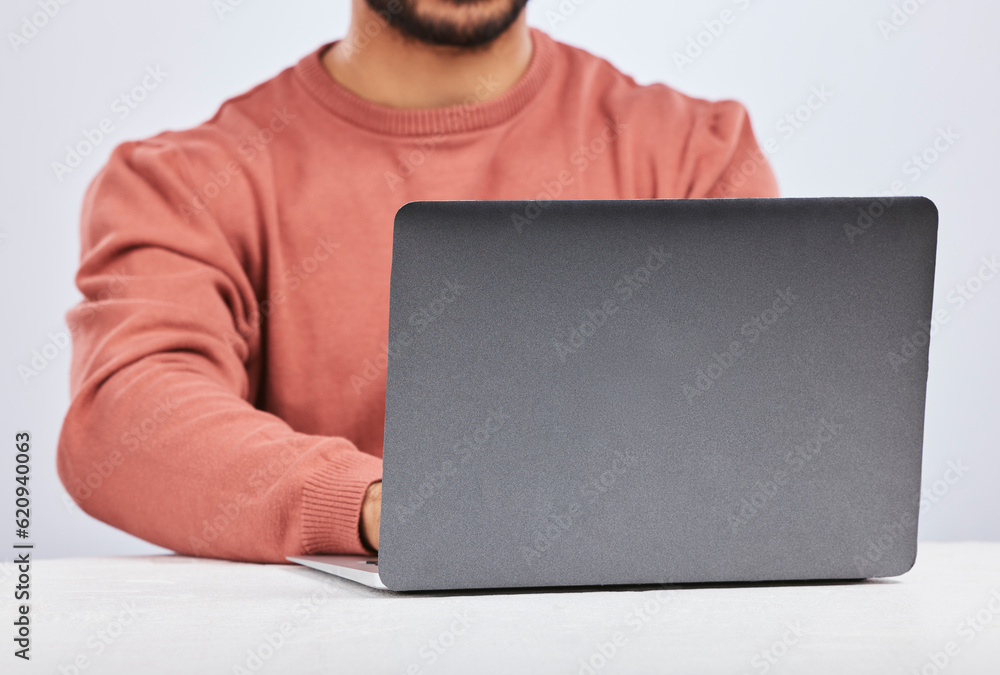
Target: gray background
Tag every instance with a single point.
(891, 95)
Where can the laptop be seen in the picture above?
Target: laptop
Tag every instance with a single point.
(591, 393)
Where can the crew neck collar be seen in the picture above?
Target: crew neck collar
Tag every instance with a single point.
(428, 121)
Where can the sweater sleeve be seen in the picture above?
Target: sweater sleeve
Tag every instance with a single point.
(161, 438)
(726, 158)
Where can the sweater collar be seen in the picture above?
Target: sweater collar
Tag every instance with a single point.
(428, 121)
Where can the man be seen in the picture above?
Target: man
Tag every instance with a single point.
(229, 357)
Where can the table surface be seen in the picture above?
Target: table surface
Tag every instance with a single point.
(189, 615)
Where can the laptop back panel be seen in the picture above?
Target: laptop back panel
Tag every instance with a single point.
(655, 391)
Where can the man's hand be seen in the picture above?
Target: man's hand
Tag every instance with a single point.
(371, 515)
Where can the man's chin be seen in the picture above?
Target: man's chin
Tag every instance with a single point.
(450, 23)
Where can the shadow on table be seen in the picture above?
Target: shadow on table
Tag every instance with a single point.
(646, 587)
(605, 589)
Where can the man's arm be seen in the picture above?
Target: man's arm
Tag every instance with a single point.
(161, 439)
(725, 160)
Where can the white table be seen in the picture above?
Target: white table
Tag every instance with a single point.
(170, 614)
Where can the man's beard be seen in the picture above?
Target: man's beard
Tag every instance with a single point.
(435, 30)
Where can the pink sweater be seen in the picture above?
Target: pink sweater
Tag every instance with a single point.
(228, 377)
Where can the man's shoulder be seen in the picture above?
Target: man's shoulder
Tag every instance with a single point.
(240, 130)
(210, 164)
(253, 118)
(656, 103)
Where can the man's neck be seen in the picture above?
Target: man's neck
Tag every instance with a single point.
(400, 72)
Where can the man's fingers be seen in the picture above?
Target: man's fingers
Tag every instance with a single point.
(371, 515)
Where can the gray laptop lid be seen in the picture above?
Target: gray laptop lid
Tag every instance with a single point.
(655, 391)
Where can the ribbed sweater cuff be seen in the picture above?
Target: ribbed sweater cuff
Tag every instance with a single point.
(331, 503)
